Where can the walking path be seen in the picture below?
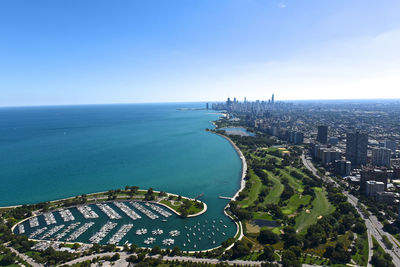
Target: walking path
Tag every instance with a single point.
(123, 256)
(26, 258)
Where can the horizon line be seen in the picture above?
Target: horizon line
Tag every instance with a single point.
(187, 102)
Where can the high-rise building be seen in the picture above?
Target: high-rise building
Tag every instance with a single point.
(322, 134)
(392, 145)
(356, 148)
(370, 174)
(381, 156)
(372, 188)
(273, 99)
(342, 167)
(207, 106)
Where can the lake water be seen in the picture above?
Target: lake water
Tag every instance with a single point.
(49, 153)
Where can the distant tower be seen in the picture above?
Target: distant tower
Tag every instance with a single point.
(273, 99)
(234, 100)
(322, 134)
(356, 148)
(207, 106)
(245, 100)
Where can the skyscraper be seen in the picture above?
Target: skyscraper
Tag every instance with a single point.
(381, 156)
(272, 99)
(356, 148)
(392, 145)
(322, 134)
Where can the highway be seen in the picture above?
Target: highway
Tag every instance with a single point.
(374, 227)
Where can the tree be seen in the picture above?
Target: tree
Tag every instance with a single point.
(156, 250)
(289, 259)
(268, 237)
(359, 228)
(175, 251)
(268, 253)
(115, 257)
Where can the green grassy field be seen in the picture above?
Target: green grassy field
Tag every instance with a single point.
(276, 190)
(321, 207)
(254, 191)
(293, 182)
(294, 202)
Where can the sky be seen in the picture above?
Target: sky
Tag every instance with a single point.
(95, 51)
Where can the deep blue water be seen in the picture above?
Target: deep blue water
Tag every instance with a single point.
(49, 153)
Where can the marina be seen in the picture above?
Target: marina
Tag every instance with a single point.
(120, 234)
(52, 231)
(145, 211)
(102, 232)
(141, 231)
(87, 212)
(128, 211)
(21, 228)
(37, 232)
(66, 231)
(158, 209)
(149, 240)
(66, 215)
(112, 214)
(49, 218)
(33, 222)
(92, 223)
(80, 231)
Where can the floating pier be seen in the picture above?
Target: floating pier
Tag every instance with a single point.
(120, 234)
(156, 208)
(102, 232)
(145, 211)
(112, 214)
(80, 231)
(128, 211)
(66, 215)
(87, 212)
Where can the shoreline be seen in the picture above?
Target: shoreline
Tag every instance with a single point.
(106, 200)
(242, 186)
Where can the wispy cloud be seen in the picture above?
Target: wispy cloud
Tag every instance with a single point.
(281, 5)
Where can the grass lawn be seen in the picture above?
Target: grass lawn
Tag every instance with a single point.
(276, 190)
(262, 216)
(294, 202)
(293, 182)
(321, 207)
(254, 191)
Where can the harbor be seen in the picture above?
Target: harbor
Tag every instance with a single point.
(119, 222)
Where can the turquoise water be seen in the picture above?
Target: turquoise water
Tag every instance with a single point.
(200, 232)
(49, 153)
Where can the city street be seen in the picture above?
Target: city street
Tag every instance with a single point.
(374, 227)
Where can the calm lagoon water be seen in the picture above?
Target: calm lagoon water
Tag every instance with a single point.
(49, 153)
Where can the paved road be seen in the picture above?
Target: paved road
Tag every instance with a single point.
(123, 256)
(26, 258)
(374, 227)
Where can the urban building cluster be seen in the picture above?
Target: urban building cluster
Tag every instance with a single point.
(355, 140)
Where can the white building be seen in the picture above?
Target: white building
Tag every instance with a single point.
(374, 187)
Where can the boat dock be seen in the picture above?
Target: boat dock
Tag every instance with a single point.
(128, 211)
(112, 214)
(145, 211)
(66, 215)
(120, 234)
(87, 212)
(80, 231)
(102, 232)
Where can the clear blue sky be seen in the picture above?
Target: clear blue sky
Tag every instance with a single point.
(75, 51)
